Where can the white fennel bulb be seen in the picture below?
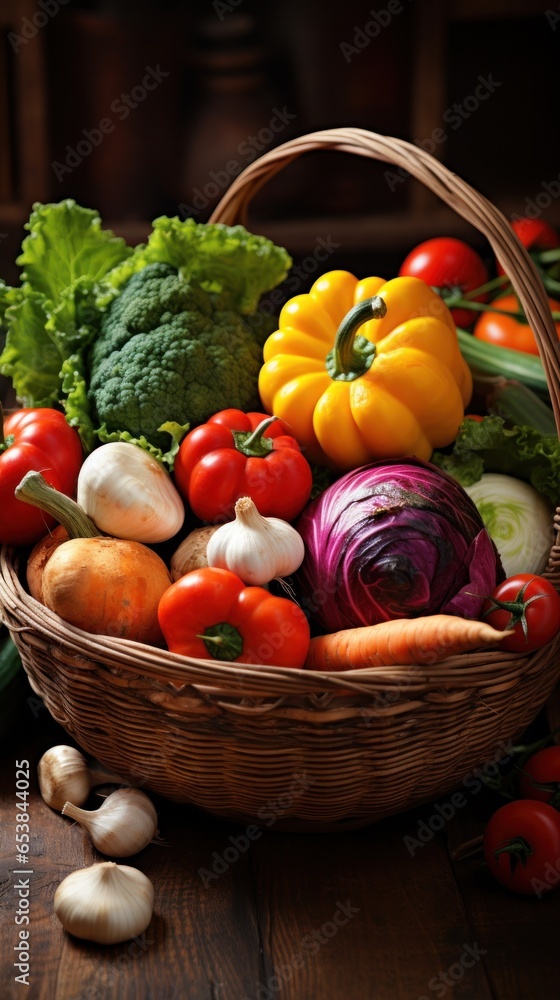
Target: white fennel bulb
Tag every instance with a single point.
(518, 519)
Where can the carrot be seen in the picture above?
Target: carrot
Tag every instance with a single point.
(401, 641)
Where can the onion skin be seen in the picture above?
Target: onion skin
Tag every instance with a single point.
(397, 539)
(191, 553)
(39, 557)
(108, 586)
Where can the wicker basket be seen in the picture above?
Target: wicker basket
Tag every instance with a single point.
(285, 747)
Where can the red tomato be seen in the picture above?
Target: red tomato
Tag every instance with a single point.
(447, 263)
(522, 846)
(39, 440)
(528, 606)
(534, 235)
(540, 777)
(506, 331)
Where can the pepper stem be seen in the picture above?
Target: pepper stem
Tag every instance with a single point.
(35, 490)
(252, 443)
(352, 355)
(223, 641)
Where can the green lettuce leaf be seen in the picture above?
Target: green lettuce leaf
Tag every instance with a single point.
(66, 242)
(53, 314)
(491, 446)
(32, 357)
(219, 258)
(171, 427)
(75, 399)
(8, 297)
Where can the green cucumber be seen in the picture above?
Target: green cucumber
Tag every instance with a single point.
(492, 360)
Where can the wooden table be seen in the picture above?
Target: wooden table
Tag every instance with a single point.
(350, 916)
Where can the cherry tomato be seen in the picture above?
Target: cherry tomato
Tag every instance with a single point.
(540, 777)
(522, 846)
(447, 263)
(38, 440)
(528, 606)
(507, 331)
(534, 235)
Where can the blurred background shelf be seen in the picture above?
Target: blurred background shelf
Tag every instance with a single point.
(233, 80)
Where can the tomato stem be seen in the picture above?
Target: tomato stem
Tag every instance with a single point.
(528, 749)
(518, 849)
(516, 608)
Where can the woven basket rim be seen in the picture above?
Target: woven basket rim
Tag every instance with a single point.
(467, 672)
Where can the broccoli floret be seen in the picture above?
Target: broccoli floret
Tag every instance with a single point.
(170, 351)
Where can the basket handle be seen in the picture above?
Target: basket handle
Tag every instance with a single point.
(459, 195)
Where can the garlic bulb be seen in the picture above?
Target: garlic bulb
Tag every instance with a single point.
(64, 774)
(124, 824)
(106, 903)
(256, 548)
(191, 553)
(129, 494)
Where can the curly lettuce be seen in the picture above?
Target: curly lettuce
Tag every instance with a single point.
(53, 314)
(489, 445)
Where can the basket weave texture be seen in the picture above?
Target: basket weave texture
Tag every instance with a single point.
(274, 745)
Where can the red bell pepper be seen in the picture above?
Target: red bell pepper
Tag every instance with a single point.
(210, 614)
(38, 440)
(238, 454)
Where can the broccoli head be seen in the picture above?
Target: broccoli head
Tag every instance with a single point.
(170, 351)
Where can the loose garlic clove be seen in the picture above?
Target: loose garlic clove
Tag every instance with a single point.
(64, 774)
(128, 494)
(258, 549)
(106, 903)
(124, 824)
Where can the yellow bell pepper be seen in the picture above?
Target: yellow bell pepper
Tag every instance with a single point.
(395, 390)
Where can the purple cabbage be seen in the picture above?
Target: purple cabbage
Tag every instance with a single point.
(395, 539)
